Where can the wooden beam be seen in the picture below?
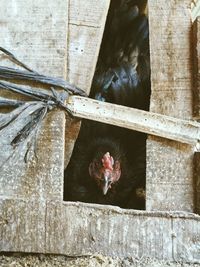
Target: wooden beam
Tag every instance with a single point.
(79, 229)
(148, 122)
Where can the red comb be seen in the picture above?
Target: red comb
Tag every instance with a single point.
(108, 161)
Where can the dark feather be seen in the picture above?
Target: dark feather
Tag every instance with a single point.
(122, 77)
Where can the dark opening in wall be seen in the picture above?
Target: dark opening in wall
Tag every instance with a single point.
(108, 164)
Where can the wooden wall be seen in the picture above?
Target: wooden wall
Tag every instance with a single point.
(37, 34)
(170, 164)
(55, 39)
(33, 217)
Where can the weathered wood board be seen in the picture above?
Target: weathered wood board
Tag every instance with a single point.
(184, 131)
(54, 39)
(37, 33)
(86, 25)
(170, 164)
(84, 229)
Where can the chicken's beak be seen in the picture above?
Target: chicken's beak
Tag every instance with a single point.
(105, 186)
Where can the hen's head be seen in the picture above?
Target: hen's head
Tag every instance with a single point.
(105, 171)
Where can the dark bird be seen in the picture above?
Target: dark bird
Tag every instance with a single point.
(108, 164)
(123, 70)
(103, 174)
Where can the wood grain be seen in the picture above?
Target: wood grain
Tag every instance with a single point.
(148, 122)
(55, 41)
(33, 217)
(169, 165)
(76, 229)
(86, 25)
(37, 34)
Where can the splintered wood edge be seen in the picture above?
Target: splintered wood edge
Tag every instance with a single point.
(148, 122)
(74, 229)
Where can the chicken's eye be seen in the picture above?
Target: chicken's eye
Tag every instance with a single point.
(97, 164)
(117, 165)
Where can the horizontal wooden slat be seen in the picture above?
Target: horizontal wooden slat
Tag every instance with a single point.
(148, 122)
(84, 229)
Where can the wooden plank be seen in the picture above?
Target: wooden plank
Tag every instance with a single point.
(86, 25)
(196, 59)
(172, 236)
(25, 219)
(169, 190)
(148, 122)
(184, 233)
(171, 80)
(42, 34)
(37, 34)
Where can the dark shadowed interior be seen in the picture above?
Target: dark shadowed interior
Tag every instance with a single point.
(108, 164)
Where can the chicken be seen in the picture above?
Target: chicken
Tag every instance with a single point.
(103, 174)
(108, 164)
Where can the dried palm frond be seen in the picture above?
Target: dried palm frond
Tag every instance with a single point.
(36, 108)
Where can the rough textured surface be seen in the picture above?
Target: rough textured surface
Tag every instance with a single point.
(169, 164)
(86, 25)
(36, 179)
(76, 229)
(139, 120)
(36, 33)
(48, 41)
(33, 217)
(41, 260)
